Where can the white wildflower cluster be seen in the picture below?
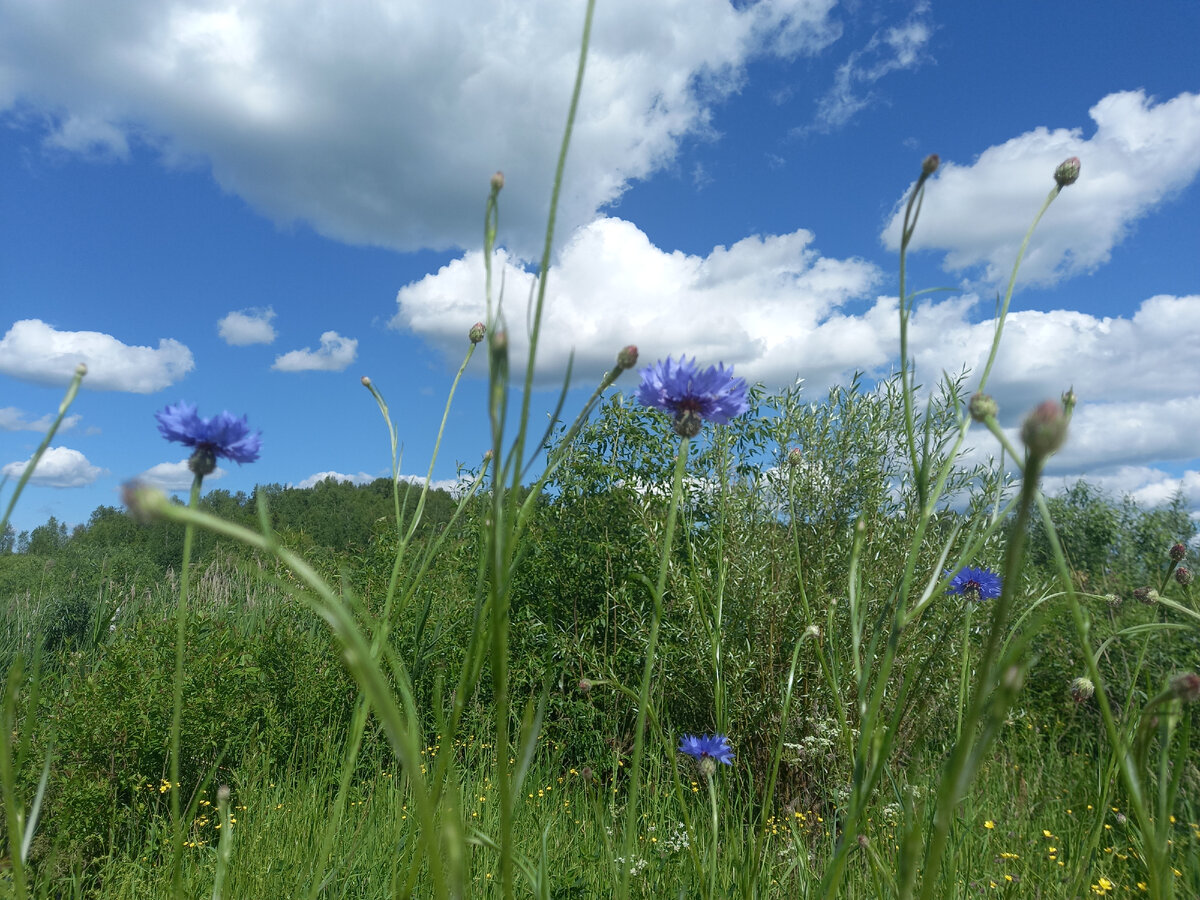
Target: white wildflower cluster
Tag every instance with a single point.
(819, 743)
(677, 840)
(636, 867)
(892, 813)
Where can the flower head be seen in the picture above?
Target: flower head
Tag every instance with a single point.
(1082, 689)
(707, 750)
(976, 585)
(222, 435)
(692, 394)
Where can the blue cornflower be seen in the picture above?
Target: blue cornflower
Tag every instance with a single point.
(976, 585)
(707, 750)
(692, 394)
(223, 435)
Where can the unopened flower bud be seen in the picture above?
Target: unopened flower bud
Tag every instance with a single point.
(1121, 818)
(929, 166)
(981, 406)
(223, 794)
(1069, 399)
(1177, 552)
(497, 182)
(688, 423)
(1183, 575)
(1146, 595)
(487, 456)
(586, 773)
(814, 632)
(585, 686)
(795, 456)
(863, 841)
(142, 501)
(81, 369)
(1114, 600)
(1067, 171)
(366, 382)
(707, 766)
(627, 358)
(1081, 689)
(477, 332)
(202, 461)
(1045, 429)
(1186, 687)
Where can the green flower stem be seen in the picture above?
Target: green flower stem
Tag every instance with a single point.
(635, 770)
(177, 702)
(964, 671)
(716, 822)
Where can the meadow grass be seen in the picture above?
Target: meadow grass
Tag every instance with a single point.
(495, 707)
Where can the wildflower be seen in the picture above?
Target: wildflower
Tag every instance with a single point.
(1183, 575)
(930, 164)
(1146, 595)
(475, 335)
(222, 435)
(1045, 429)
(1082, 689)
(795, 456)
(1177, 552)
(692, 394)
(1067, 171)
(1186, 686)
(981, 406)
(975, 585)
(989, 824)
(1114, 600)
(707, 750)
(627, 358)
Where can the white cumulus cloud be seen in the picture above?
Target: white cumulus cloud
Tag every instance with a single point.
(248, 326)
(59, 467)
(772, 305)
(13, 419)
(317, 478)
(334, 355)
(380, 122)
(37, 352)
(977, 214)
(174, 476)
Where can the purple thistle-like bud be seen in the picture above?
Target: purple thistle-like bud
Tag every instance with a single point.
(795, 456)
(628, 357)
(1183, 575)
(1114, 600)
(366, 382)
(1067, 171)
(1045, 429)
(930, 165)
(497, 182)
(1146, 595)
(585, 685)
(981, 405)
(1177, 552)
(1082, 689)
(1186, 687)
(476, 333)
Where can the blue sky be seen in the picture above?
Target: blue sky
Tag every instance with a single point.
(250, 205)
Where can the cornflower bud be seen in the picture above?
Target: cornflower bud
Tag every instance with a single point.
(1082, 689)
(1186, 687)
(1067, 171)
(1177, 552)
(981, 406)
(476, 333)
(498, 182)
(1183, 575)
(930, 165)
(1069, 399)
(366, 382)
(1146, 595)
(585, 685)
(1045, 429)
(627, 358)
(795, 456)
(1114, 600)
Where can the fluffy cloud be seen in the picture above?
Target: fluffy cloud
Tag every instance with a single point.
(772, 305)
(380, 123)
(978, 214)
(360, 478)
(37, 352)
(59, 467)
(174, 476)
(335, 353)
(247, 326)
(13, 419)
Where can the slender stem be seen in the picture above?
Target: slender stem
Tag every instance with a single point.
(177, 704)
